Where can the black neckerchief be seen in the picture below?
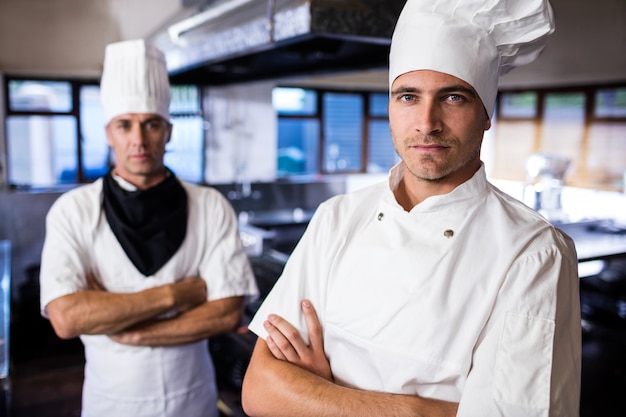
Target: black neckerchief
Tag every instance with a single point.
(149, 224)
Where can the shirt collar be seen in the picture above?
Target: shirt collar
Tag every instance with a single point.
(125, 185)
(471, 188)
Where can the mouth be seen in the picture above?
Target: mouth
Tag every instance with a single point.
(429, 148)
(140, 157)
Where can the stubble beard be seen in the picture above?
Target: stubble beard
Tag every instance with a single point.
(433, 169)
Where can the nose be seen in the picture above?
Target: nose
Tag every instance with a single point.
(137, 135)
(428, 119)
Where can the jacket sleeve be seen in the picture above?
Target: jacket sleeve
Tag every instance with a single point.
(224, 264)
(527, 360)
(305, 275)
(64, 258)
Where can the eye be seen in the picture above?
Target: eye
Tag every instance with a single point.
(123, 125)
(456, 98)
(153, 125)
(406, 97)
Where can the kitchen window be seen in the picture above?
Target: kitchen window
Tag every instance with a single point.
(342, 118)
(332, 132)
(585, 124)
(381, 153)
(518, 105)
(55, 133)
(298, 131)
(610, 103)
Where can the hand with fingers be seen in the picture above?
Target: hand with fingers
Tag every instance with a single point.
(286, 343)
(188, 293)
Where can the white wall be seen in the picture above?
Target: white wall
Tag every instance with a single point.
(588, 46)
(67, 37)
(241, 137)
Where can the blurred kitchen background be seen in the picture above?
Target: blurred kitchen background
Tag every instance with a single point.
(281, 104)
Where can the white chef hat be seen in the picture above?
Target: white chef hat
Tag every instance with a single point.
(134, 80)
(474, 40)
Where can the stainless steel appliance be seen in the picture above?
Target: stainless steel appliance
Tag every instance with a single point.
(545, 176)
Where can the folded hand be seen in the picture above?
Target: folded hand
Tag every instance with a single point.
(286, 343)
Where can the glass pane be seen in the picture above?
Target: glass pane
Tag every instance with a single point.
(515, 141)
(298, 146)
(518, 105)
(382, 155)
(343, 121)
(563, 130)
(606, 164)
(294, 101)
(379, 103)
(42, 150)
(185, 99)
(184, 152)
(26, 95)
(94, 143)
(564, 106)
(611, 103)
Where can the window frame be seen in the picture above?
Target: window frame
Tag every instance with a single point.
(319, 116)
(583, 175)
(590, 101)
(74, 112)
(75, 85)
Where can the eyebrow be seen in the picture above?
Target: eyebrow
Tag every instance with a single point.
(457, 88)
(461, 89)
(149, 119)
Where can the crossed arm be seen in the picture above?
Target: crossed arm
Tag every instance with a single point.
(129, 318)
(287, 377)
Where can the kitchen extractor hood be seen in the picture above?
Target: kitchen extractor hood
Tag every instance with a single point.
(243, 40)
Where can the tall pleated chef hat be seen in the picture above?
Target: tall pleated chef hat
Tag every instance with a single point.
(134, 80)
(474, 40)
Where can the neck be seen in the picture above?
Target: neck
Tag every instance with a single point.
(143, 182)
(413, 190)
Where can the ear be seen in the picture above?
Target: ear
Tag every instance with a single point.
(487, 124)
(107, 131)
(170, 126)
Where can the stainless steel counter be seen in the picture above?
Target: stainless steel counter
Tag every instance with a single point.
(597, 239)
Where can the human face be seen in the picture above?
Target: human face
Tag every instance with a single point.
(437, 125)
(138, 143)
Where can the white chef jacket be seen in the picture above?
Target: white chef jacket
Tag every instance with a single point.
(132, 381)
(470, 297)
